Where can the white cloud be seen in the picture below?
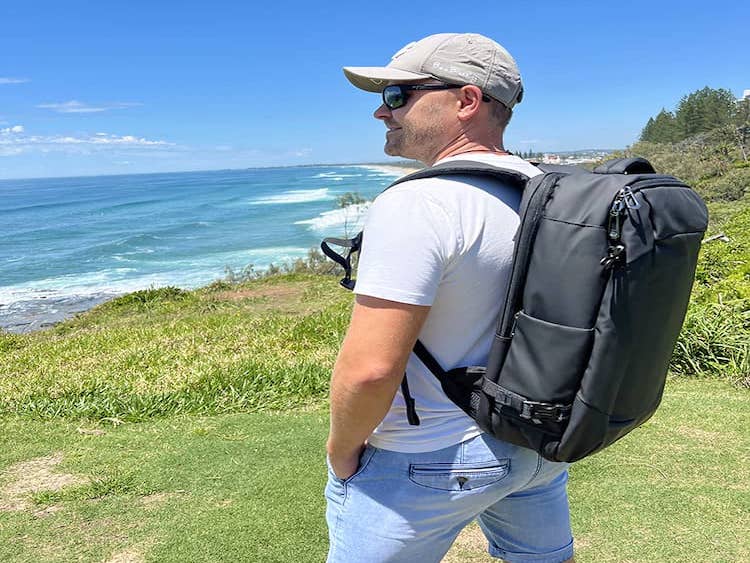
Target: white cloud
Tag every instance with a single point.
(531, 142)
(14, 129)
(74, 106)
(6, 80)
(13, 141)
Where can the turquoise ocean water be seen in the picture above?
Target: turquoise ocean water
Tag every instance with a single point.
(69, 243)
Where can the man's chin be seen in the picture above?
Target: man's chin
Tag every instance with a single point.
(391, 150)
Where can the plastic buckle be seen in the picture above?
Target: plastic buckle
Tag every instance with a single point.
(544, 412)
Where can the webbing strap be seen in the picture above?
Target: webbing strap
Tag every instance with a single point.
(411, 410)
(429, 361)
(353, 244)
(535, 411)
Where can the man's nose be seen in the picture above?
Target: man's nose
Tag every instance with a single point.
(383, 112)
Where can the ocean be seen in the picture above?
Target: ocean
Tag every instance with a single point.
(67, 244)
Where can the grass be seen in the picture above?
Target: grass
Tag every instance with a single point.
(261, 345)
(227, 488)
(248, 487)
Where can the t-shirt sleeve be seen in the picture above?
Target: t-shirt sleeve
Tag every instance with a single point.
(409, 240)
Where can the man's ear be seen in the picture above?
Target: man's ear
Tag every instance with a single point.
(470, 99)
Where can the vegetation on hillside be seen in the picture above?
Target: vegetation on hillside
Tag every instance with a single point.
(705, 143)
(267, 344)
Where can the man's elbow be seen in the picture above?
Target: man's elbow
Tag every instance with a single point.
(369, 374)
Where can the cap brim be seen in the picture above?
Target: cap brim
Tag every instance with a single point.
(375, 78)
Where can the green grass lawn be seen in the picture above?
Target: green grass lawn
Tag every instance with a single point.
(248, 487)
(190, 426)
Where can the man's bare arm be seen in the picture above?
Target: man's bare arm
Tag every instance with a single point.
(367, 374)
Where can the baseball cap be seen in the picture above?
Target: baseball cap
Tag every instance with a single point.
(454, 58)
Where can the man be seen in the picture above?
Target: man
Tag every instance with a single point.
(435, 265)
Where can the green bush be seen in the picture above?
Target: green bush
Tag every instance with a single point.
(715, 339)
(153, 295)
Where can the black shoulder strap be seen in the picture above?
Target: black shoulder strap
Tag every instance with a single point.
(466, 167)
(636, 165)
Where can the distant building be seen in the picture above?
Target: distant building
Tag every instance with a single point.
(745, 96)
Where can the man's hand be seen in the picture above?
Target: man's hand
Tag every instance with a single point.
(345, 465)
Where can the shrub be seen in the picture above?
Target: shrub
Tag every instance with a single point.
(152, 295)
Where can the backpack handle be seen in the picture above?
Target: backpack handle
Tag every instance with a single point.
(635, 165)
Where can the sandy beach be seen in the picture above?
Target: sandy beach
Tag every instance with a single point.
(397, 169)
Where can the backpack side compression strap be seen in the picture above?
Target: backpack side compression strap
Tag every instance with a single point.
(354, 245)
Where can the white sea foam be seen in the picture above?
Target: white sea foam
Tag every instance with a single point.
(188, 273)
(336, 175)
(294, 196)
(349, 219)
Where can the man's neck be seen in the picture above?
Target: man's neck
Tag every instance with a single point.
(468, 148)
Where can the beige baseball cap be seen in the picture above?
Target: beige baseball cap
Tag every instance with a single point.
(454, 58)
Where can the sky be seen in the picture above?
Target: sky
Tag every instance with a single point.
(115, 87)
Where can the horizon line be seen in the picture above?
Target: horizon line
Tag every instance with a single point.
(400, 162)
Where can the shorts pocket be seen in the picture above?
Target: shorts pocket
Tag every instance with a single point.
(458, 476)
(364, 460)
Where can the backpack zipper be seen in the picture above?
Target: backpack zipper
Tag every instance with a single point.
(626, 198)
(536, 203)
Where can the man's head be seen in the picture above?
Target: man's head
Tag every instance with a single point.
(441, 91)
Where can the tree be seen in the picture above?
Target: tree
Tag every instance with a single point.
(703, 111)
(349, 198)
(741, 125)
(662, 129)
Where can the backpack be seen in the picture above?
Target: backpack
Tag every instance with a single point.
(602, 272)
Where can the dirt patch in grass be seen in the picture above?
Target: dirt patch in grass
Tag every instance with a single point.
(470, 547)
(285, 291)
(283, 298)
(127, 556)
(48, 511)
(699, 434)
(156, 500)
(32, 476)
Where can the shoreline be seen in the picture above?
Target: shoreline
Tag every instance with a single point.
(397, 170)
(26, 316)
(37, 311)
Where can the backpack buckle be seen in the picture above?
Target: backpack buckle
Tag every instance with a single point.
(539, 412)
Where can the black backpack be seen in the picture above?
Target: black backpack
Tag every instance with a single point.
(602, 272)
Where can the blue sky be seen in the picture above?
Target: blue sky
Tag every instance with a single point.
(123, 87)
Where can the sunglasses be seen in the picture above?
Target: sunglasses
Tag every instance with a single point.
(396, 95)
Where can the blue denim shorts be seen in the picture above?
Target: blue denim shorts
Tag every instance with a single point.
(401, 507)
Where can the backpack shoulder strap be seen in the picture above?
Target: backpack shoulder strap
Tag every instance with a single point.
(636, 165)
(469, 168)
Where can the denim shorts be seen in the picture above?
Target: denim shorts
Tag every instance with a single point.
(401, 507)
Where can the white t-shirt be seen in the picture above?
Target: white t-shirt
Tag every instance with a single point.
(446, 242)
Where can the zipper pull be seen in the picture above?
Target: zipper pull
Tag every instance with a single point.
(515, 323)
(631, 202)
(615, 211)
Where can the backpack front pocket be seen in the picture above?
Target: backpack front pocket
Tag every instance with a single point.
(546, 360)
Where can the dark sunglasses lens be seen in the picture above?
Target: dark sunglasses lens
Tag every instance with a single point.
(394, 97)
